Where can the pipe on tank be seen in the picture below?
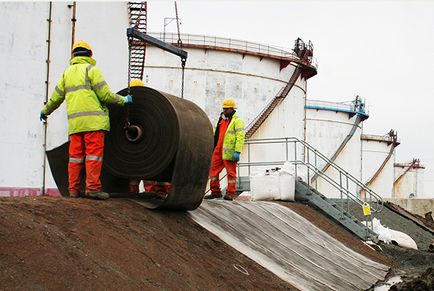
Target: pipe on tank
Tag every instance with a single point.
(47, 84)
(73, 20)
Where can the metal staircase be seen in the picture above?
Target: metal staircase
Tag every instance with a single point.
(305, 54)
(137, 12)
(306, 160)
(334, 209)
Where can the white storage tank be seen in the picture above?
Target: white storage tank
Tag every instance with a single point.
(26, 35)
(219, 68)
(282, 117)
(334, 129)
(409, 180)
(378, 157)
(286, 120)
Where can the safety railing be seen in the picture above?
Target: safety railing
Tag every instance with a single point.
(308, 162)
(220, 42)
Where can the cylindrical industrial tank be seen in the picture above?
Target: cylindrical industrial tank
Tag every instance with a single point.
(334, 129)
(409, 180)
(286, 120)
(378, 156)
(219, 68)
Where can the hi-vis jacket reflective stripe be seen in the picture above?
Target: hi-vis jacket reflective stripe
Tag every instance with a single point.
(234, 138)
(86, 93)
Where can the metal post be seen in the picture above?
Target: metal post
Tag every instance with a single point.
(348, 201)
(248, 158)
(308, 169)
(47, 84)
(342, 200)
(166, 24)
(73, 20)
(286, 149)
(316, 169)
(295, 158)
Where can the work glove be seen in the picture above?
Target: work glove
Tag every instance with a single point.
(42, 116)
(128, 99)
(237, 156)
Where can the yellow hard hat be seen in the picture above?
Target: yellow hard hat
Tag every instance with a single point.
(81, 43)
(136, 83)
(229, 103)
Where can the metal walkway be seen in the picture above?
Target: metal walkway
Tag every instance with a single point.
(288, 245)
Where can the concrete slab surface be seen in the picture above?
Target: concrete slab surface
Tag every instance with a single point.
(288, 245)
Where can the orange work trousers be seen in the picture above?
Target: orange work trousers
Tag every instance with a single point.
(85, 149)
(150, 186)
(217, 165)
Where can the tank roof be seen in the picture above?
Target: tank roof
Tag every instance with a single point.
(380, 138)
(346, 107)
(233, 45)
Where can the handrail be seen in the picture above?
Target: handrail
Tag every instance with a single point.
(214, 41)
(372, 195)
(297, 162)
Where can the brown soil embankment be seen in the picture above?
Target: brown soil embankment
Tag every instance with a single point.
(59, 243)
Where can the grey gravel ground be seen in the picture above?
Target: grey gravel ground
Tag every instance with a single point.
(392, 220)
(407, 263)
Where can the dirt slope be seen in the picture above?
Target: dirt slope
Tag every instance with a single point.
(59, 243)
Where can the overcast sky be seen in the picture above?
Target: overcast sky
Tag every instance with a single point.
(382, 51)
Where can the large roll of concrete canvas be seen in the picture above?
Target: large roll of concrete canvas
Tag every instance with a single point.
(167, 139)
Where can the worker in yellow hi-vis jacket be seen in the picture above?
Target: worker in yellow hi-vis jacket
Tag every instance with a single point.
(83, 87)
(228, 143)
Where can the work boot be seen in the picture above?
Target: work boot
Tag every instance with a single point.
(98, 195)
(213, 195)
(74, 195)
(229, 197)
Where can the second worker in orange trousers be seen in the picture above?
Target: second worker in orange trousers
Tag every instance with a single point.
(228, 143)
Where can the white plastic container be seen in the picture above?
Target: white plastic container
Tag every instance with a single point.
(265, 186)
(277, 185)
(286, 186)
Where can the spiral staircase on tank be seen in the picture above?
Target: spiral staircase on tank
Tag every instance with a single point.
(303, 68)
